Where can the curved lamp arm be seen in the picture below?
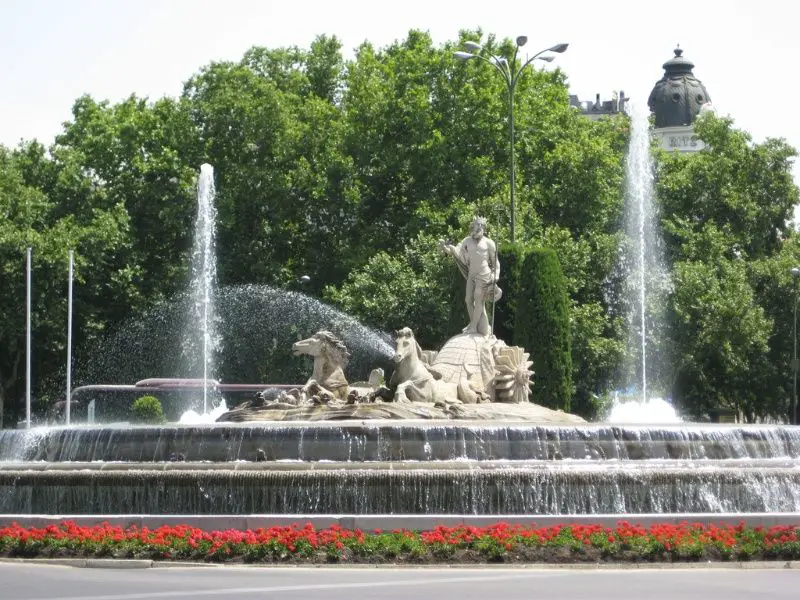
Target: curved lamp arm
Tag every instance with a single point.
(557, 48)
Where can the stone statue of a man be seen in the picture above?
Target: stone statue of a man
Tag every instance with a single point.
(476, 257)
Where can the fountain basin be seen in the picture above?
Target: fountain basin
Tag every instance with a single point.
(631, 487)
(400, 467)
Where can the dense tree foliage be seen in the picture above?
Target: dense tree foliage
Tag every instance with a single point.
(350, 171)
(542, 327)
(49, 205)
(726, 214)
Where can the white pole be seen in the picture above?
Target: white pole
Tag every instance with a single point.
(69, 335)
(28, 344)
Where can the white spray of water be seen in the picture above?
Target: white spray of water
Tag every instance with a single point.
(639, 176)
(191, 417)
(646, 275)
(652, 410)
(204, 272)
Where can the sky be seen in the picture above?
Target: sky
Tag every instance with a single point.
(53, 51)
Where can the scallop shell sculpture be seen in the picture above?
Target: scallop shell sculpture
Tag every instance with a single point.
(512, 375)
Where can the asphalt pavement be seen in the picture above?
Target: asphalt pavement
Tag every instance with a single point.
(38, 581)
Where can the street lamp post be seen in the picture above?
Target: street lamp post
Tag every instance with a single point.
(511, 73)
(795, 362)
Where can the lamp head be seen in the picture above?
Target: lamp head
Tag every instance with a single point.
(546, 58)
(473, 46)
(463, 55)
(522, 40)
(559, 48)
(795, 271)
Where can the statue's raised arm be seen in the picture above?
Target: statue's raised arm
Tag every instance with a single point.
(458, 253)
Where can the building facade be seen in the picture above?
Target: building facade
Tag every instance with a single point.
(600, 108)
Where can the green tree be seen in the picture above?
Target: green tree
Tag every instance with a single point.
(542, 327)
(777, 291)
(272, 128)
(33, 218)
(735, 189)
(350, 172)
(411, 289)
(142, 156)
(723, 337)
(726, 212)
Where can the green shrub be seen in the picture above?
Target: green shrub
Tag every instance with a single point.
(541, 326)
(511, 258)
(147, 410)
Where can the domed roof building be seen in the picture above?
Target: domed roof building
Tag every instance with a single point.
(678, 97)
(676, 100)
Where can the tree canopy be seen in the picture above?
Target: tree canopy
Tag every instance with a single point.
(350, 170)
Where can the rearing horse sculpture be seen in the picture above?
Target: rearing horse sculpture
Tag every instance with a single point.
(330, 358)
(411, 378)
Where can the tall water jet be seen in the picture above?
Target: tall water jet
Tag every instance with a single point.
(203, 278)
(643, 265)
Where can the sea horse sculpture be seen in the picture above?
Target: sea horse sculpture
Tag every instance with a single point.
(330, 358)
(411, 378)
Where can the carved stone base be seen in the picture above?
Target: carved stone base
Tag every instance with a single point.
(402, 410)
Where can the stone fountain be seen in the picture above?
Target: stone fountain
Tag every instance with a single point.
(452, 432)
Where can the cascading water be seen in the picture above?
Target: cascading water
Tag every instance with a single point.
(646, 278)
(204, 276)
(382, 467)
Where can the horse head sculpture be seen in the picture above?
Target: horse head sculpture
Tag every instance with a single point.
(330, 358)
(405, 345)
(411, 378)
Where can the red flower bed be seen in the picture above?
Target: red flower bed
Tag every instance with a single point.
(499, 543)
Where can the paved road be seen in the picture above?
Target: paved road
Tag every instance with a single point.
(25, 581)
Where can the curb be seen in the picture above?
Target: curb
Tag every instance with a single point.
(129, 563)
(85, 563)
(116, 563)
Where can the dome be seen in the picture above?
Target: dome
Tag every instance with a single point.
(678, 97)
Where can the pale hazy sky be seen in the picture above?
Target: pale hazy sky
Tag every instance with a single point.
(52, 51)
